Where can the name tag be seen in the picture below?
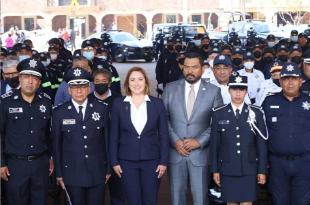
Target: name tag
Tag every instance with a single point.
(68, 121)
(274, 119)
(224, 122)
(16, 110)
(274, 106)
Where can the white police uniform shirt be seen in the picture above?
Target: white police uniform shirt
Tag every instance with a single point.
(225, 93)
(138, 114)
(267, 87)
(255, 79)
(208, 75)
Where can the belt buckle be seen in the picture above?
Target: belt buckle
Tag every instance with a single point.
(29, 158)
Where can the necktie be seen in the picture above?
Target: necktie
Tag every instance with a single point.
(237, 114)
(190, 101)
(80, 113)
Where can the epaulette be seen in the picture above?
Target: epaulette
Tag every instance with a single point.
(8, 94)
(270, 94)
(257, 107)
(219, 107)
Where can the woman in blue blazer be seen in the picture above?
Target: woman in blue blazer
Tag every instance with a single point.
(139, 140)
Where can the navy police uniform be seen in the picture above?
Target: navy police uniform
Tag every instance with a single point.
(238, 148)
(25, 141)
(289, 144)
(80, 145)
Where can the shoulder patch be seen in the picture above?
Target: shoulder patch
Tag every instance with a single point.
(218, 108)
(46, 95)
(8, 94)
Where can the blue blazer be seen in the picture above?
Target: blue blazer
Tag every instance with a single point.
(127, 144)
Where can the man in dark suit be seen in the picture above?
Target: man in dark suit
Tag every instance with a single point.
(10, 75)
(79, 131)
(102, 80)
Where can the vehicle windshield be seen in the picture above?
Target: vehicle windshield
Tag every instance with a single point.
(121, 37)
(193, 30)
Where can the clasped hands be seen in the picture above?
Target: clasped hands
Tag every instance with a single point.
(184, 147)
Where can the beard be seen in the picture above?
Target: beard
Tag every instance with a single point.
(191, 79)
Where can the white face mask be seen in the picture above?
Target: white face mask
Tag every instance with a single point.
(47, 62)
(294, 38)
(103, 57)
(270, 43)
(54, 57)
(249, 64)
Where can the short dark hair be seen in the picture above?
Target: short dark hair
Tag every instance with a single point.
(103, 72)
(194, 55)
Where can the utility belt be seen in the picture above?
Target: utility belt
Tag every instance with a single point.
(291, 157)
(28, 158)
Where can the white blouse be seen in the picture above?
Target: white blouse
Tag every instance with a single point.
(138, 114)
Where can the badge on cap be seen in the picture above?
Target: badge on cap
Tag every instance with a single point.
(238, 79)
(306, 105)
(96, 116)
(221, 57)
(32, 63)
(290, 68)
(77, 72)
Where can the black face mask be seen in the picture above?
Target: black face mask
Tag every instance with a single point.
(276, 81)
(12, 82)
(296, 59)
(178, 48)
(257, 54)
(283, 58)
(205, 46)
(268, 59)
(237, 61)
(101, 88)
(170, 47)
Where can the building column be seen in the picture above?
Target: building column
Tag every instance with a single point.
(49, 22)
(98, 23)
(149, 30)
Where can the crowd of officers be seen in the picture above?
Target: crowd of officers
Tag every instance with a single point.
(26, 108)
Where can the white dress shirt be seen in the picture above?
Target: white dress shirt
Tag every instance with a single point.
(76, 105)
(188, 88)
(138, 114)
(235, 108)
(208, 75)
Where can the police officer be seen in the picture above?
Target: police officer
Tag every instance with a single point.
(159, 43)
(237, 59)
(306, 71)
(79, 132)
(255, 77)
(288, 117)
(25, 138)
(238, 146)
(269, 86)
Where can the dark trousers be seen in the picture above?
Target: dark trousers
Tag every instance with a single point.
(140, 182)
(290, 181)
(28, 181)
(86, 195)
(115, 188)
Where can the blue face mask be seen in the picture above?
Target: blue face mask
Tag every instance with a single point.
(47, 62)
(89, 55)
(23, 57)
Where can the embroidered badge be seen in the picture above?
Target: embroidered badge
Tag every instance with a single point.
(306, 105)
(77, 72)
(290, 68)
(96, 116)
(32, 63)
(42, 108)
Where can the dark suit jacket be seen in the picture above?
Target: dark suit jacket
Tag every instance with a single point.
(127, 144)
(235, 149)
(80, 147)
